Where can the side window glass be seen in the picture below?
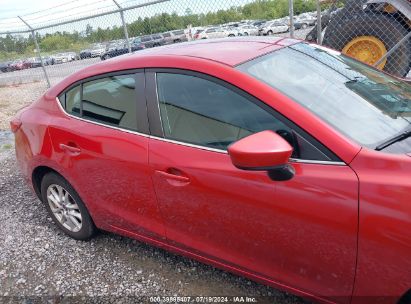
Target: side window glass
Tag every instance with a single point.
(73, 101)
(111, 101)
(201, 112)
(70, 101)
(198, 111)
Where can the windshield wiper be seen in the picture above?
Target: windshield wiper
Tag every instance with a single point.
(394, 140)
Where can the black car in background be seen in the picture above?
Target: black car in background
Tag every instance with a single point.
(122, 48)
(5, 67)
(85, 54)
(35, 62)
(150, 41)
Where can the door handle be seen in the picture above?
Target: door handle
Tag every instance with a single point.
(70, 149)
(174, 177)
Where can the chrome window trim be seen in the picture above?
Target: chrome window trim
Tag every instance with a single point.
(317, 162)
(292, 160)
(188, 145)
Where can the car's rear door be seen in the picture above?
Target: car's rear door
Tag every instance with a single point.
(301, 232)
(100, 140)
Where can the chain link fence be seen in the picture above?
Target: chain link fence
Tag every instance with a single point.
(39, 49)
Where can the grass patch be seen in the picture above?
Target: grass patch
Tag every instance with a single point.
(7, 146)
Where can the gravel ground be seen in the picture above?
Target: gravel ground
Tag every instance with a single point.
(37, 260)
(15, 97)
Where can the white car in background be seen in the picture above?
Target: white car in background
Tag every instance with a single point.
(231, 31)
(217, 32)
(273, 27)
(248, 30)
(64, 57)
(210, 33)
(97, 50)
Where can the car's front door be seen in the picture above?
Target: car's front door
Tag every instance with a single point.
(301, 232)
(103, 149)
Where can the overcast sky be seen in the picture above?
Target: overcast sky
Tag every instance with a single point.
(57, 10)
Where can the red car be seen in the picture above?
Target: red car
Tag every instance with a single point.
(272, 158)
(20, 65)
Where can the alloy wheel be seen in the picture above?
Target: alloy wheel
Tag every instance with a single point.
(64, 208)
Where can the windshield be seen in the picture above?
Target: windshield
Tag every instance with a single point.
(363, 103)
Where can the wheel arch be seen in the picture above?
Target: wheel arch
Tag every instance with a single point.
(38, 175)
(44, 168)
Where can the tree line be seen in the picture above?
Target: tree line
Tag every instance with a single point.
(12, 46)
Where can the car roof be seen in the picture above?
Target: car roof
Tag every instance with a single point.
(229, 51)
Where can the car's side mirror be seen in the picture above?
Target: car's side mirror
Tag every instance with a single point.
(263, 151)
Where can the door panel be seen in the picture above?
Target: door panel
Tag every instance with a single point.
(104, 156)
(111, 174)
(301, 232)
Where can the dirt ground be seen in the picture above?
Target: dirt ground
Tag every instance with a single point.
(14, 97)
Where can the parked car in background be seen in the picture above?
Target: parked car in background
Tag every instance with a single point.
(300, 24)
(231, 31)
(48, 60)
(112, 46)
(154, 40)
(5, 66)
(121, 49)
(97, 50)
(198, 34)
(175, 36)
(64, 57)
(275, 159)
(217, 32)
(309, 18)
(303, 23)
(273, 27)
(20, 65)
(248, 30)
(258, 23)
(35, 62)
(86, 53)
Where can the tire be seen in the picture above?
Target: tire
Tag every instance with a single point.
(87, 229)
(245, 34)
(231, 35)
(343, 28)
(304, 26)
(270, 33)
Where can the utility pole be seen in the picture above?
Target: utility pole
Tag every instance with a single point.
(33, 33)
(291, 14)
(124, 24)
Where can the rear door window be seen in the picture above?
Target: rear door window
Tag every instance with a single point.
(111, 100)
(70, 101)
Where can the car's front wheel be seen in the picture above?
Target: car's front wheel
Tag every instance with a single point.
(66, 207)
